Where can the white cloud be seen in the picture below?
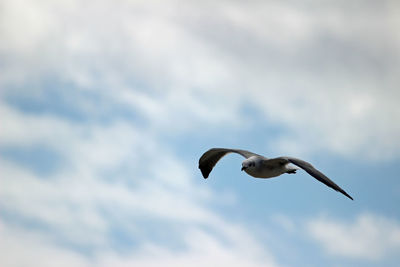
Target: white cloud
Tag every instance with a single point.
(369, 237)
(317, 74)
(202, 249)
(21, 247)
(106, 182)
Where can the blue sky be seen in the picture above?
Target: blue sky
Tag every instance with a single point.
(106, 107)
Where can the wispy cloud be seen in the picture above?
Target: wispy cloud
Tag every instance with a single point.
(368, 237)
(106, 183)
(173, 66)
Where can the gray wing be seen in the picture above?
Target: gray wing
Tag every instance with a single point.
(316, 174)
(208, 160)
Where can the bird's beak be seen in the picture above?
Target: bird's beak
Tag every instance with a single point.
(243, 168)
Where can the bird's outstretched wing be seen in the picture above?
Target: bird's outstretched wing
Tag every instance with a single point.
(208, 160)
(316, 174)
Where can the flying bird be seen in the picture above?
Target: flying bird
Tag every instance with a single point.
(261, 167)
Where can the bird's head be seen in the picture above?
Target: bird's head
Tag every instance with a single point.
(248, 163)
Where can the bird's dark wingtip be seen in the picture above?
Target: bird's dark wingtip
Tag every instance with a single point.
(347, 195)
(204, 172)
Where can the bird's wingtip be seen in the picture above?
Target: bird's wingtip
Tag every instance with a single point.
(347, 195)
(204, 172)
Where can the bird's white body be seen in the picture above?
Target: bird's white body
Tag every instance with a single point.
(263, 173)
(256, 166)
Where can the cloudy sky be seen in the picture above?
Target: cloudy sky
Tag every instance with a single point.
(106, 106)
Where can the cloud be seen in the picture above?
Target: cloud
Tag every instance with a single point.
(202, 248)
(22, 247)
(105, 184)
(369, 237)
(173, 66)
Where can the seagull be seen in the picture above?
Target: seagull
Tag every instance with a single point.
(261, 167)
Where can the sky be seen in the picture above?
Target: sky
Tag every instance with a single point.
(106, 107)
